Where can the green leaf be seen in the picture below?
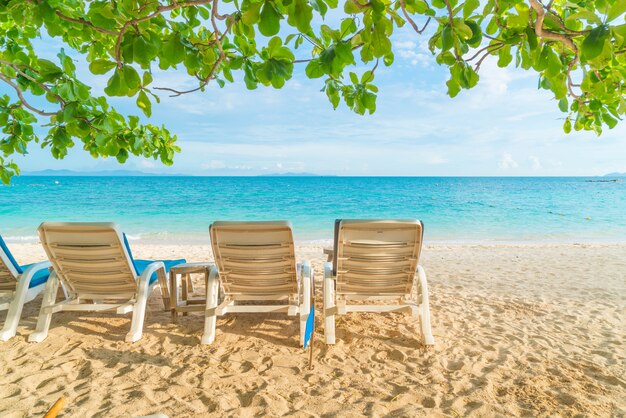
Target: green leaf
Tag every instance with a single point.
(464, 31)
(315, 69)
(300, 15)
(470, 76)
(567, 126)
(49, 70)
(251, 15)
(269, 23)
(469, 7)
(593, 44)
(173, 49)
(147, 78)
(609, 120)
(584, 14)
(122, 156)
(563, 105)
(143, 102)
(132, 80)
(143, 51)
(377, 5)
(349, 7)
(321, 8)
(477, 34)
(101, 66)
(446, 38)
(504, 56)
(453, 87)
(616, 10)
(554, 64)
(116, 85)
(446, 58)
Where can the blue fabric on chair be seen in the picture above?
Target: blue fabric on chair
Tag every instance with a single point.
(140, 265)
(8, 253)
(40, 277)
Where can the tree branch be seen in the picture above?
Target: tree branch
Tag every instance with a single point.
(480, 61)
(451, 23)
(204, 82)
(410, 20)
(371, 73)
(498, 46)
(547, 34)
(216, 31)
(564, 39)
(84, 23)
(23, 101)
(354, 48)
(32, 79)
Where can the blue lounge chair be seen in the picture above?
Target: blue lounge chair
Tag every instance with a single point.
(94, 263)
(19, 284)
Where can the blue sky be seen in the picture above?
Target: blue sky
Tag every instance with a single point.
(504, 126)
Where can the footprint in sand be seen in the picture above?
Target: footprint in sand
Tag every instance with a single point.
(429, 403)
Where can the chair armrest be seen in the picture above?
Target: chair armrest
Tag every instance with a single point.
(150, 270)
(328, 271)
(28, 274)
(423, 284)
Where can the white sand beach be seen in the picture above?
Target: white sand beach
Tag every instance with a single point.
(521, 330)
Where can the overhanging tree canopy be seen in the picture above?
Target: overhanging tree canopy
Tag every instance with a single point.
(577, 47)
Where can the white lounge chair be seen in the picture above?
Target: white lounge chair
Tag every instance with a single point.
(376, 260)
(256, 263)
(19, 284)
(96, 266)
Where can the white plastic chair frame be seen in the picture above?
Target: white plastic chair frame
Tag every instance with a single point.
(255, 262)
(92, 262)
(15, 291)
(376, 260)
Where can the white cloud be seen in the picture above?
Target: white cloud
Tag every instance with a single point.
(535, 162)
(213, 165)
(414, 53)
(146, 164)
(507, 162)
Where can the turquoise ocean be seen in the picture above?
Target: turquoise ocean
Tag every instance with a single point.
(453, 209)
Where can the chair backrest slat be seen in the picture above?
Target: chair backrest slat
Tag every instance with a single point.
(91, 258)
(376, 257)
(255, 258)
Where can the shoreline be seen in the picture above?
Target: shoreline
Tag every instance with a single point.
(191, 241)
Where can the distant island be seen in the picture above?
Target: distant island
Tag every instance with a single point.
(615, 175)
(290, 174)
(132, 173)
(103, 173)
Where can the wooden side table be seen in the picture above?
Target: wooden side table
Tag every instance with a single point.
(329, 252)
(187, 304)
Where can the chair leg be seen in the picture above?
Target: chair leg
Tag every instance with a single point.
(15, 312)
(45, 317)
(186, 278)
(329, 304)
(305, 306)
(163, 276)
(139, 310)
(212, 291)
(427, 334)
(190, 284)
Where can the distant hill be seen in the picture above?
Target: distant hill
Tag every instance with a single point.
(103, 173)
(289, 174)
(615, 175)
